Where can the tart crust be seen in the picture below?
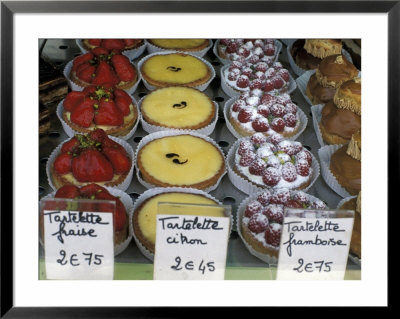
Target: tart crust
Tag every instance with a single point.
(176, 44)
(256, 244)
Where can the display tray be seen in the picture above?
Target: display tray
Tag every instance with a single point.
(240, 263)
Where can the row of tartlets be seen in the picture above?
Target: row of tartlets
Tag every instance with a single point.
(262, 161)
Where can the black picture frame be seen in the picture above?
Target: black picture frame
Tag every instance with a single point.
(9, 8)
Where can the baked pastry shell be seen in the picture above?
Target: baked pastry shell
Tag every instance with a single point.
(71, 132)
(151, 48)
(122, 186)
(126, 201)
(156, 191)
(248, 187)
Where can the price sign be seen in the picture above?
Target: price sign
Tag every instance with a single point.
(314, 244)
(190, 247)
(79, 244)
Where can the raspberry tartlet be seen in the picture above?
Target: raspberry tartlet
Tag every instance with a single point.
(266, 114)
(105, 107)
(91, 158)
(101, 66)
(274, 162)
(260, 218)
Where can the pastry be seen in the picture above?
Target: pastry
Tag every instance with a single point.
(341, 116)
(322, 48)
(110, 109)
(253, 50)
(302, 58)
(273, 162)
(101, 66)
(330, 74)
(44, 119)
(266, 113)
(53, 86)
(91, 192)
(271, 78)
(261, 220)
(144, 216)
(161, 70)
(345, 165)
(181, 160)
(90, 158)
(186, 45)
(178, 107)
(116, 45)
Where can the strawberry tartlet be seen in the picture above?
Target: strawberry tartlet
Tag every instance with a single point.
(116, 45)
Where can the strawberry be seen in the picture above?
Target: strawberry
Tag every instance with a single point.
(108, 114)
(98, 135)
(90, 190)
(99, 52)
(258, 223)
(67, 191)
(70, 146)
(123, 101)
(105, 74)
(131, 42)
(252, 208)
(96, 42)
(120, 215)
(83, 113)
(113, 44)
(72, 99)
(92, 166)
(85, 72)
(90, 90)
(84, 58)
(273, 234)
(62, 164)
(123, 68)
(118, 158)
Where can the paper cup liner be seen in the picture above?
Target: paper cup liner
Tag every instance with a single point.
(325, 153)
(71, 132)
(316, 111)
(161, 134)
(160, 190)
(130, 53)
(302, 117)
(355, 259)
(248, 187)
(128, 204)
(150, 87)
(239, 215)
(207, 130)
(122, 186)
(231, 92)
(287, 42)
(76, 87)
(151, 48)
(278, 48)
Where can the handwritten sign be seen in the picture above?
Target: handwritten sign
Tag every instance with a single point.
(190, 247)
(314, 245)
(79, 244)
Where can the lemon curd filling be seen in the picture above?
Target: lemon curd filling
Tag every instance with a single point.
(175, 68)
(178, 43)
(148, 212)
(181, 160)
(69, 177)
(178, 107)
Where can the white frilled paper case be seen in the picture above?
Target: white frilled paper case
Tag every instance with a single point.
(207, 130)
(325, 153)
(161, 134)
(70, 132)
(302, 117)
(160, 190)
(151, 48)
(248, 187)
(76, 87)
(150, 87)
(278, 46)
(316, 111)
(130, 53)
(128, 204)
(231, 92)
(122, 186)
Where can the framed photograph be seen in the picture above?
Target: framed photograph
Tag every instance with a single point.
(45, 37)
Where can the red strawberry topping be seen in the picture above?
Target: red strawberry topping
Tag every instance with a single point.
(62, 164)
(108, 114)
(67, 191)
(118, 158)
(113, 44)
(83, 113)
(92, 166)
(123, 68)
(81, 60)
(72, 99)
(105, 74)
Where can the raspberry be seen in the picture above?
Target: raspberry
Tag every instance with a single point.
(287, 147)
(258, 223)
(260, 75)
(281, 196)
(238, 105)
(243, 51)
(268, 86)
(258, 52)
(247, 72)
(232, 47)
(256, 84)
(243, 82)
(232, 76)
(244, 116)
(284, 74)
(274, 213)
(277, 110)
(253, 59)
(257, 167)
(271, 176)
(247, 159)
(284, 99)
(278, 124)
(273, 234)
(277, 66)
(302, 167)
(225, 41)
(290, 120)
(235, 65)
(291, 108)
(275, 138)
(269, 50)
(263, 110)
(318, 204)
(264, 197)
(252, 208)
(268, 99)
(258, 43)
(297, 146)
(270, 73)
(261, 67)
(269, 41)
(301, 197)
(245, 147)
(258, 139)
(303, 154)
(289, 172)
(278, 82)
(260, 124)
(292, 203)
(273, 161)
(252, 100)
